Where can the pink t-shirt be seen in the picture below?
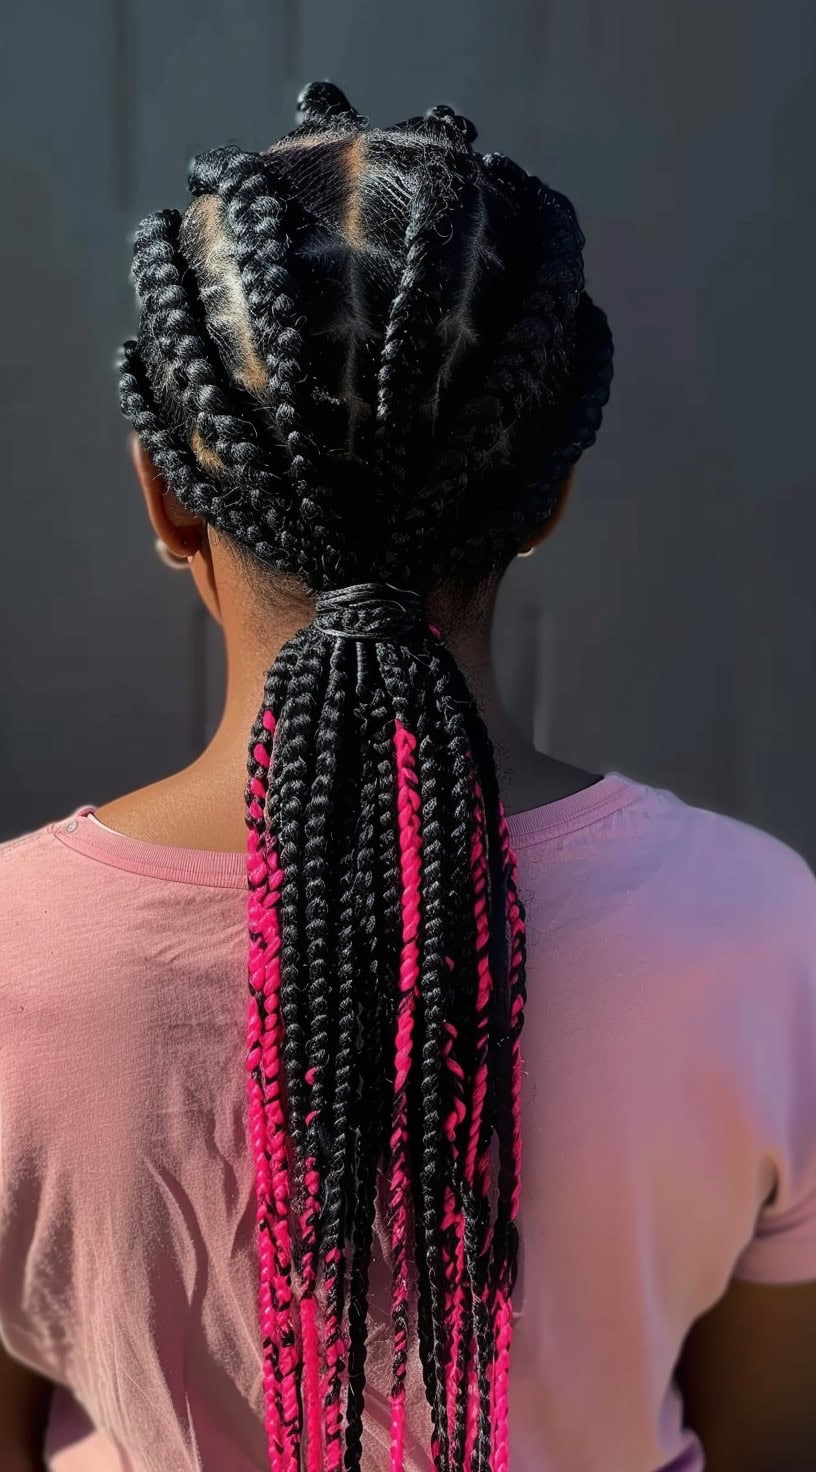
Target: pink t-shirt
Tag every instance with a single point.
(670, 1052)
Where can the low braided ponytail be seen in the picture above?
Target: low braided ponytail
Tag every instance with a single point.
(367, 357)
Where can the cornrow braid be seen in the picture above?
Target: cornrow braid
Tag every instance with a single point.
(413, 347)
(368, 358)
(592, 376)
(159, 271)
(257, 522)
(528, 360)
(259, 217)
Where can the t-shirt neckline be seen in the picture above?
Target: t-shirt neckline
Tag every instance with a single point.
(83, 831)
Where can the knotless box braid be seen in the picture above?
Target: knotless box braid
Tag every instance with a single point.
(367, 357)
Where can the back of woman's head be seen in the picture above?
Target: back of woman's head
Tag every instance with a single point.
(368, 359)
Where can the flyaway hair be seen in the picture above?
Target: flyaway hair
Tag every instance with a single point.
(368, 358)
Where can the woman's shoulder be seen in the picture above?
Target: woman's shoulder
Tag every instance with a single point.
(729, 851)
(80, 903)
(28, 849)
(671, 863)
(726, 880)
(38, 894)
(34, 869)
(66, 872)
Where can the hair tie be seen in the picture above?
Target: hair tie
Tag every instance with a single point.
(374, 611)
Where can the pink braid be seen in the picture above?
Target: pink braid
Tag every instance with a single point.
(263, 1189)
(311, 1382)
(267, 1125)
(277, 1145)
(289, 1356)
(504, 1332)
(410, 843)
(308, 1306)
(510, 1152)
(478, 863)
(477, 1168)
(453, 1232)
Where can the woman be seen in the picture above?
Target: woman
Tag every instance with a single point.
(286, 1232)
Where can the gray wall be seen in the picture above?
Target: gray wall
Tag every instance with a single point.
(668, 628)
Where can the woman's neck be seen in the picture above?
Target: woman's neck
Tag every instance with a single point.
(201, 806)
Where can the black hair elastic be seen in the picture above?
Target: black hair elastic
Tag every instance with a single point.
(376, 611)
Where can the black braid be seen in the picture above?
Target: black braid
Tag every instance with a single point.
(338, 1211)
(170, 455)
(319, 857)
(530, 360)
(373, 963)
(413, 348)
(430, 1112)
(367, 357)
(322, 105)
(288, 818)
(401, 677)
(161, 276)
(258, 216)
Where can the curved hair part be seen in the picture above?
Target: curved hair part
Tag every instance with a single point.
(367, 356)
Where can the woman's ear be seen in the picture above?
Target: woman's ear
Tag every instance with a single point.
(555, 516)
(182, 533)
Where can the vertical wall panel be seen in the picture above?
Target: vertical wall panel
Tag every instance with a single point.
(668, 626)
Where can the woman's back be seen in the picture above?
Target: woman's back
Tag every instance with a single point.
(668, 1092)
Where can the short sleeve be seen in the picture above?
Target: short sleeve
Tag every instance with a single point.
(783, 1248)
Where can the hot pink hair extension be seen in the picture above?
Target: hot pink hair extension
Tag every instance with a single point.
(503, 1328)
(509, 1151)
(258, 876)
(476, 1167)
(277, 1146)
(453, 1232)
(478, 864)
(303, 1345)
(410, 846)
(465, 1380)
(311, 1382)
(257, 1130)
(267, 1125)
(312, 1412)
(308, 1315)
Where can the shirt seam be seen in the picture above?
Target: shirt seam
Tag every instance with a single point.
(172, 874)
(604, 809)
(38, 835)
(169, 875)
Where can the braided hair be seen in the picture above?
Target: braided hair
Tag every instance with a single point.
(368, 358)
